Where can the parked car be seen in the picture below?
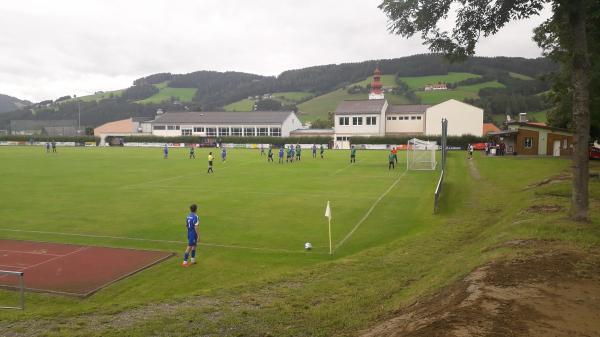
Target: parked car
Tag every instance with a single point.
(594, 151)
(479, 146)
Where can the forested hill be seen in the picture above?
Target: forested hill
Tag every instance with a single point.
(214, 90)
(9, 103)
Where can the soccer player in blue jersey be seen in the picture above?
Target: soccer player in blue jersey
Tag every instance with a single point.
(191, 223)
(166, 151)
(223, 154)
(314, 151)
(281, 155)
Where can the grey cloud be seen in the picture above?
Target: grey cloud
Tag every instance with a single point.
(53, 48)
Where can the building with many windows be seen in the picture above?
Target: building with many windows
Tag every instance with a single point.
(223, 124)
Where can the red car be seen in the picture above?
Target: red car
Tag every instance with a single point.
(479, 146)
(594, 152)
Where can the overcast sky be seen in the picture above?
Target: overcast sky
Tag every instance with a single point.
(54, 48)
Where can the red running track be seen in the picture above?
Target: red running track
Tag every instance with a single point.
(71, 269)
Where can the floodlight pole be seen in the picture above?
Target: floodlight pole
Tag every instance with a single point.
(79, 115)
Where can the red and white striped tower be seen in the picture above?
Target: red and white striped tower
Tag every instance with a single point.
(376, 87)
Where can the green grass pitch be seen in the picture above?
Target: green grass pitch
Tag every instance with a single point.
(255, 216)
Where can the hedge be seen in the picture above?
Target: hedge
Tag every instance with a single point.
(457, 141)
(234, 140)
(46, 138)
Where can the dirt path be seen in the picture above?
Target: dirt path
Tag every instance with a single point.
(553, 292)
(473, 171)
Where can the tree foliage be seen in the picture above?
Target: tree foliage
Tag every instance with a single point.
(139, 92)
(566, 33)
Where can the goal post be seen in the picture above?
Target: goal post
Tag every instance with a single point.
(420, 154)
(21, 288)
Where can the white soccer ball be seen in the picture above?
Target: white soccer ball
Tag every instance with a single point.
(308, 246)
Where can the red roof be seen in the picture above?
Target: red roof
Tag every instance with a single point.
(489, 127)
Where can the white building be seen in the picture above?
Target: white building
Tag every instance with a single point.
(222, 124)
(405, 119)
(463, 119)
(360, 118)
(367, 118)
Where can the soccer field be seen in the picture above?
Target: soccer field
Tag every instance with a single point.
(255, 216)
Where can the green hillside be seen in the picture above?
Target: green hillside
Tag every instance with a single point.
(241, 105)
(318, 107)
(417, 82)
(291, 96)
(520, 76)
(286, 98)
(100, 96)
(165, 94)
(386, 80)
(537, 116)
(460, 93)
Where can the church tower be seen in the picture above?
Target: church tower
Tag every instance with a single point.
(376, 87)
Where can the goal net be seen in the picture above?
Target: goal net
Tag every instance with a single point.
(420, 154)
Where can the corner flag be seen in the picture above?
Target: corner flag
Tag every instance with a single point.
(328, 216)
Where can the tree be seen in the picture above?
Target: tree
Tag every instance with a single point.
(475, 18)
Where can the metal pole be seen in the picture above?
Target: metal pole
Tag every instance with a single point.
(330, 249)
(22, 291)
(79, 122)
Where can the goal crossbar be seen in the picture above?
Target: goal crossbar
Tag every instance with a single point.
(420, 154)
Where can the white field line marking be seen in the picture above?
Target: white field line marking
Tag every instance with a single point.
(23, 252)
(369, 212)
(174, 178)
(5, 265)
(343, 168)
(56, 258)
(295, 193)
(281, 250)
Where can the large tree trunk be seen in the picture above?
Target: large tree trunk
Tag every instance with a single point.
(581, 109)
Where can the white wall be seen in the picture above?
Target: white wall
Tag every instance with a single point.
(405, 126)
(358, 130)
(290, 124)
(462, 119)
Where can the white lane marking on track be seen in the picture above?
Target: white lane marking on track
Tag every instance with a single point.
(369, 212)
(56, 258)
(30, 252)
(281, 250)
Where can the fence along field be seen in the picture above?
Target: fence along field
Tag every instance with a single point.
(255, 216)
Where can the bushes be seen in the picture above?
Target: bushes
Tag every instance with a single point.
(46, 138)
(453, 141)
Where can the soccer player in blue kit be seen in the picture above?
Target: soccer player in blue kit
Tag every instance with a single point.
(191, 223)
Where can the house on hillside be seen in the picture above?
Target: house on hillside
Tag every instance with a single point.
(438, 86)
